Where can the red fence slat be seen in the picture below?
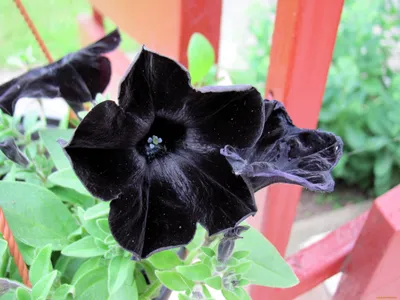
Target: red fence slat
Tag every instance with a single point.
(373, 268)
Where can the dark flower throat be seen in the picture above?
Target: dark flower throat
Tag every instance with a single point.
(164, 136)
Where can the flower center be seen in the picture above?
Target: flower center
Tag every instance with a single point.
(163, 137)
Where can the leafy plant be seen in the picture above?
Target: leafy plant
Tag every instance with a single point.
(362, 96)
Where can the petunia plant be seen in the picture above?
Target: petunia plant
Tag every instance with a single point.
(149, 194)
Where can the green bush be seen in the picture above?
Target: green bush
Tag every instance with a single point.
(362, 97)
(361, 102)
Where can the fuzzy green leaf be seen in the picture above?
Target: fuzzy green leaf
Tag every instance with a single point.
(118, 270)
(49, 138)
(99, 210)
(196, 272)
(174, 281)
(268, 268)
(39, 219)
(42, 288)
(201, 57)
(214, 282)
(41, 265)
(67, 178)
(85, 247)
(165, 260)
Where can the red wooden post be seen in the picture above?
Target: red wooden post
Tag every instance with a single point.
(302, 47)
(321, 260)
(373, 268)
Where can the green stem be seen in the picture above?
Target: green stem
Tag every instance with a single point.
(152, 291)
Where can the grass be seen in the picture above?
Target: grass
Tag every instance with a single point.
(56, 21)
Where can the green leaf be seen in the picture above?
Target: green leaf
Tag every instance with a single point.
(240, 254)
(22, 294)
(383, 173)
(206, 292)
(230, 295)
(87, 266)
(36, 216)
(208, 251)
(68, 266)
(174, 281)
(183, 297)
(42, 288)
(242, 293)
(32, 123)
(118, 272)
(3, 257)
(73, 197)
(197, 271)
(128, 289)
(85, 247)
(76, 234)
(103, 225)
(244, 282)
(41, 265)
(243, 268)
(92, 285)
(65, 291)
(67, 178)
(355, 137)
(165, 260)
(214, 282)
(49, 138)
(109, 240)
(201, 57)
(198, 238)
(94, 230)
(101, 209)
(269, 268)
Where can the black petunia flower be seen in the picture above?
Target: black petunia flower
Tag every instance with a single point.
(157, 156)
(77, 77)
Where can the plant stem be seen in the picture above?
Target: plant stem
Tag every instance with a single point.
(152, 291)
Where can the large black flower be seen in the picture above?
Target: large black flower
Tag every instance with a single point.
(77, 77)
(157, 156)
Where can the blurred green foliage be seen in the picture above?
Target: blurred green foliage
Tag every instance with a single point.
(56, 21)
(362, 97)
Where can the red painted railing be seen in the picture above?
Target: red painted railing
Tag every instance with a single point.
(367, 249)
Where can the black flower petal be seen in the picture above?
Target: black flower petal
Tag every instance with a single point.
(223, 115)
(156, 86)
(181, 190)
(11, 151)
(102, 150)
(77, 77)
(285, 153)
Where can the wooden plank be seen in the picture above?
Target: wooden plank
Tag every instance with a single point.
(302, 46)
(165, 26)
(373, 267)
(321, 260)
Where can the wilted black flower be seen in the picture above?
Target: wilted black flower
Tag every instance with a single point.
(77, 77)
(156, 155)
(11, 151)
(285, 153)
